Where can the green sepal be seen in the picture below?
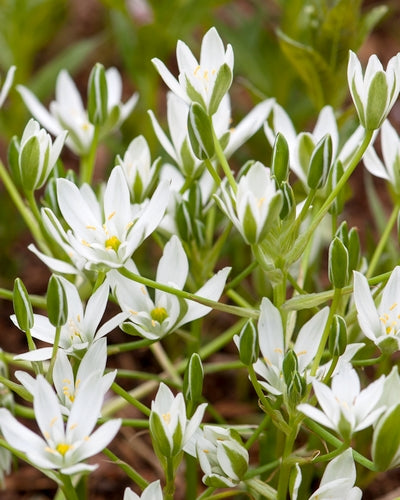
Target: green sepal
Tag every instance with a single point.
(161, 443)
(288, 200)
(222, 84)
(247, 345)
(280, 159)
(320, 163)
(193, 379)
(375, 110)
(200, 132)
(337, 336)
(249, 225)
(289, 366)
(22, 306)
(57, 305)
(13, 162)
(97, 105)
(386, 439)
(237, 459)
(30, 163)
(306, 148)
(338, 263)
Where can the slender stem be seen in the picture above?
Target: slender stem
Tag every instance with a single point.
(54, 353)
(130, 399)
(336, 298)
(158, 351)
(135, 476)
(242, 275)
(260, 428)
(286, 467)
(212, 172)
(382, 242)
(88, 161)
(68, 488)
(169, 488)
(223, 162)
(302, 240)
(264, 489)
(238, 311)
(22, 208)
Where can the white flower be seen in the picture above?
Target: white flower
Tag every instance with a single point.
(375, 92)
(345, 407)
(222, 457)
(179, 148)
(170, 428)
(380, 324)
(154, 319)
(66, 382)
(205, 82)
(152, 492)
(337, 482)
(255, 206)
(273, 349)
(106, 234)
(37, 155)
(62, 447)
(139, 172)
(389, 169)
(68, 113)
(81, 328)
(7, 84)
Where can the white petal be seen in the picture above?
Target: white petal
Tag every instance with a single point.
(270, 333)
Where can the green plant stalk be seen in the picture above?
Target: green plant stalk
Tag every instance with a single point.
(242, 275)
(212, 172)
(333, 440)
(286, 467)
(223, 162)
(130, 472)
(130, 399)
(161, 356)
(238, 311)
(302, 240)
(68, 489)
(335, 302)
(262, 488)
(260, 428)
(22, 208)
(191, 477)
(49, 374)
(88, 161)
(383, 240)
(169, 487)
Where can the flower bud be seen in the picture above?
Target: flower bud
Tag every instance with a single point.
(37, 155)
(22, 306)
(320, 163)
(337, 336)
(57, 305)
(97, 95)
(289, 201)
(200, 132)
(246, 343)
(386, 440)
(289, 366)
(280, 159)
(193, 379)
(338, 263)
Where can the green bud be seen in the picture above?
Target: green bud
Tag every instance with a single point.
(354, 249)
(12, 160)
(343, 233)
(57, 305)
(335, 174)
(193, 379)
(306, 147)
(386, 439)
(160, 440)
(289, 201)
(222, 84)
(237, 456)
(337, 336)
(200, 132)
(289, 366)
(247, 344)
(97, 95)
(338, 263)
(280, 159)
(375, 110)
(22, 306)
(320, 163)
(296, 389)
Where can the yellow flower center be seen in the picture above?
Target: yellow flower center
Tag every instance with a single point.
(62, 448)
(159, 314)
(112, 243)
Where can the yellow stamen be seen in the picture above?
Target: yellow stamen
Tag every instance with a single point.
(166, 417)
(159, 314)
(62, 448)
(111, 215)
(112, 243)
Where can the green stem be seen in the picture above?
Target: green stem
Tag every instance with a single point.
(336, 298)
(242, 275)
(169, 488)
(303, 239)
(238, 311)
(130, 399)
(262, 488)
(88, 161)
(54, 353)
(223, 162)
(22, 208)
(130, 472)
(286, 467)
(382, 242)
(212, 172)
(68, 488)
(260, 428)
